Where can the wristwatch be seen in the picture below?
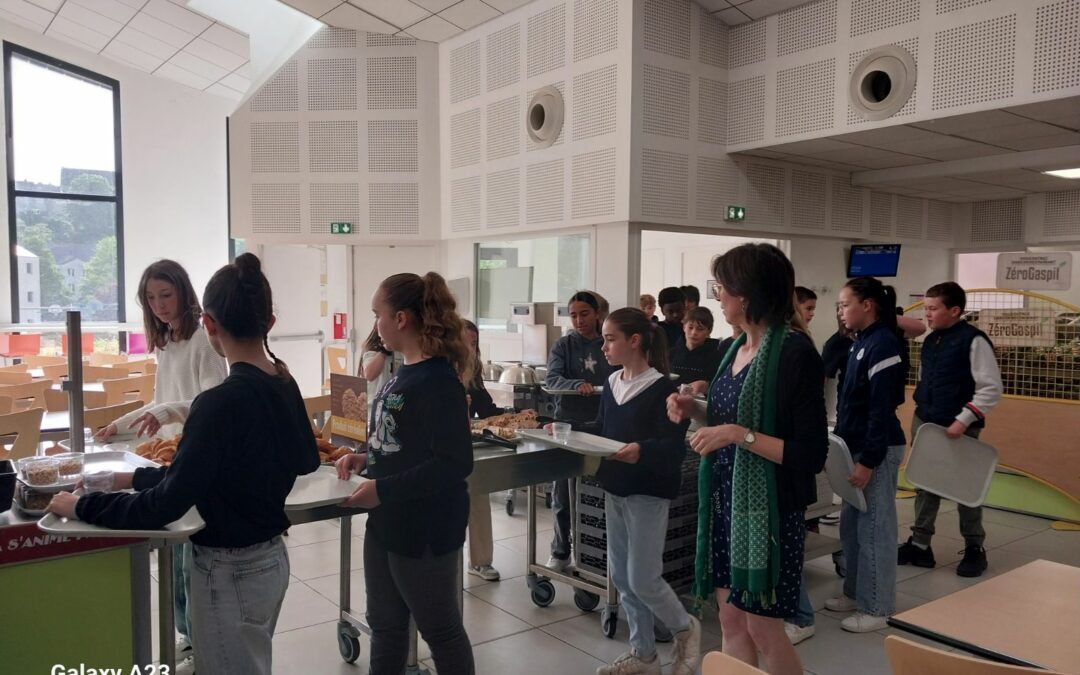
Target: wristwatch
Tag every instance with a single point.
(749, 438)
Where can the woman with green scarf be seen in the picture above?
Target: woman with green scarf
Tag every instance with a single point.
(765, 441)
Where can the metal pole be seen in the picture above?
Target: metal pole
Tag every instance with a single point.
(166, 632)
(74, 383)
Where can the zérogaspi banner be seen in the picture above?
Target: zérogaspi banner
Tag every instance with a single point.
(1018, 327)
(1035, 271)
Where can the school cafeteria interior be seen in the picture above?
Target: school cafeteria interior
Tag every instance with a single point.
(527, 150)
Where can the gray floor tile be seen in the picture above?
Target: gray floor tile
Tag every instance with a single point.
(543, 544)
(942, 581)
(314, 649)
(304, 607)
(330, 588)
(1059, 546)
(513, 595)
(310, 561)
(532, 653)
(833, 650)
(312, 533)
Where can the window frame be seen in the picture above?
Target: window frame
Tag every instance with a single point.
(117, 198)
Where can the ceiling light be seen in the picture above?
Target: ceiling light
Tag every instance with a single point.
(1064, 173)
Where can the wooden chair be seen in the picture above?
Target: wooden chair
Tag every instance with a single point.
(56, 400)
(96, 418)
(719, 663)
(315, 407)
(55, 372)
(25, 426)
(136, 367)
(117, 391)
(38, 361)
(97, 359)
(6, 402)
(28, 394)
(17, 368)
(14, 378)
(99, 373)
(911, 658)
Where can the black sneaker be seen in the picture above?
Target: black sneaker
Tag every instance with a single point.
(974, 562)
(910, 554)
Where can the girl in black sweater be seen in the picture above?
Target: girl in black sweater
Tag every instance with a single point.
(418, 456)
(244, 443)
(639, 482)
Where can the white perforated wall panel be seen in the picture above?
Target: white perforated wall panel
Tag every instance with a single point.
(394, 209)
(465, 204)
(717, 186)
(275, 147)
(465, 138)
(275, 208)
(939, 221)
(847, 207)
(664, 184)
(465, 72)
(909, 217)
(746, 110)
(391, 83)
(545, 192)
(870, 16)
(804, 98)
(594, 102)
(712, 111)
(504, 122)
(1057, 46)
(667, 27)
(808, 200)
(503, 57)
(333, 146)
(912, 47)
(333, 203)
(1061, 214)
(331, 84)
(806, 27)
(765, 194)
(392, 145)
(384, 40)
(504, 198)
(666, 102)
(280, 93)
(593, 184)
(946, 6)
(881, 215)
(596, 27)
(712, 40)
(333, 38)
(746, 44)
(997, 221)
(974, 63)
(546, 49)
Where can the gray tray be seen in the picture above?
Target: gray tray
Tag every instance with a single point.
(571, 392)
(580, 442)
(838, 466)
(321, 488)
(959, 469)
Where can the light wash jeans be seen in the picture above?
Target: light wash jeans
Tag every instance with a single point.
(636, 526)
(869, 540)
(181, 589)
(236, 596)
(804, 616)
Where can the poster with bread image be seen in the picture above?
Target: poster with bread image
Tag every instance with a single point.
(348, 408)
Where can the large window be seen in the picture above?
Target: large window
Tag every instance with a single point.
(64, 189)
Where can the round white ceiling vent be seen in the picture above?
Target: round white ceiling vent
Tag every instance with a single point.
(882, 82)
(544, 118)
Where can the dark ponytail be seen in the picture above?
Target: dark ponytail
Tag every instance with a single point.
(632, 321)
(883, 297)
(239, 299)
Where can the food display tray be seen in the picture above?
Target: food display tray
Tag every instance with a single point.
(579, 442)
(959, 469)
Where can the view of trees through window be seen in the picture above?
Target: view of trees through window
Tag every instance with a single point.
(64, 189)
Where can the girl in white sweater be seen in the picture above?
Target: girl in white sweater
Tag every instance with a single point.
(187, 366)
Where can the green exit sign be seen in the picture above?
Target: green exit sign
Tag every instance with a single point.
(735, 214)
(340, 228)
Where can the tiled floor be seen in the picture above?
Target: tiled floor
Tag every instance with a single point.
(511, 635)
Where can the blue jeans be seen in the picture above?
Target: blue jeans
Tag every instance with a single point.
(869, 540)
(805, 615)
(181, 589)
(636, 527)
(236, 596)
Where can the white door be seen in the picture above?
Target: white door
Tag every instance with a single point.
(296, 274)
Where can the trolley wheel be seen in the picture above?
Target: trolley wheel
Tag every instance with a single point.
(585, 600)
(509, 506)
(547, 500)
(609, 623)
(349, 646)
(543, 593)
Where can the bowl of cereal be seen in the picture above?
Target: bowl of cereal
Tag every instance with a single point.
(43, 474)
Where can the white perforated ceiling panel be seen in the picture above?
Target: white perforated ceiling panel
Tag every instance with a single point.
(393, 146)
(666, 102)
(465, 138)
(333, 146)
(596, 27)
(592, 184)
(805, 99)
(997, 221)
(331, 84)
(1061, 214)
(664, 184)
(808, 199)
(465, 72)
(465, 204)
(909, 217)
(870, 16)
(712, 111)
(1057, 46)
(275, 147)
(594, 102)
(504, 57)
(504, 122)
(667, 27)
(333, 203)
(717, 186)
(746, 110)
(504, 198)
(545, 192)
(765, 194)
(974, 63)
(546, 37)
(394, 209)
(391, 83)
(806, 27)
(746, 44)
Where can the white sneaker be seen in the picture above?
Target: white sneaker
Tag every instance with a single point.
(186, 667)
(831, 519)
(557, 564)
(841, 604)
(863, 623)
(798, 633)
(182, 646)
(485, 572)
(628, 664)
(687, 649)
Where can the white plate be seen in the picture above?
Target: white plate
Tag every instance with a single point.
(580, 442)
(838, 466)
(321, 488)
(959, 469)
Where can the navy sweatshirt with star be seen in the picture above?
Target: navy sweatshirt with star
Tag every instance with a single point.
(574, 360)
(420, 453)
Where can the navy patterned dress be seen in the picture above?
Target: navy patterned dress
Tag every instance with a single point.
(723, 409)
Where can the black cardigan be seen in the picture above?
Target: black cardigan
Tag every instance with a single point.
(800, 422)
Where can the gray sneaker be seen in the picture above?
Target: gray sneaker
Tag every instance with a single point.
(687, 649)
(628, 664)
(485, 572)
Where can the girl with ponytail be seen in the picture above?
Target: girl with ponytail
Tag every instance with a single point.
(639, 482)
(872, 389)
(245, 442)
(418, 454)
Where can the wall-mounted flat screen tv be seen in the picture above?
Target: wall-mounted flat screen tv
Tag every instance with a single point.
(873, 260)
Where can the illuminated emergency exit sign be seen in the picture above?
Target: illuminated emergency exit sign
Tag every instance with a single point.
(735, 214)
(340, 228)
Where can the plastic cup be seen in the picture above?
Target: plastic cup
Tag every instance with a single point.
(560, 431)
(98, 481)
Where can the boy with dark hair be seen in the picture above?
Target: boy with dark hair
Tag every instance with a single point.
(672, 303)
(959, 382)
(693, 296)
(696, 358)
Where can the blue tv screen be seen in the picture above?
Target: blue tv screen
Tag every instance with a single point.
(874, 260)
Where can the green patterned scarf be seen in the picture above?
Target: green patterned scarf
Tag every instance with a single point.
(755, 514)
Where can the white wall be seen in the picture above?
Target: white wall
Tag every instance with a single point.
(173, 150)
